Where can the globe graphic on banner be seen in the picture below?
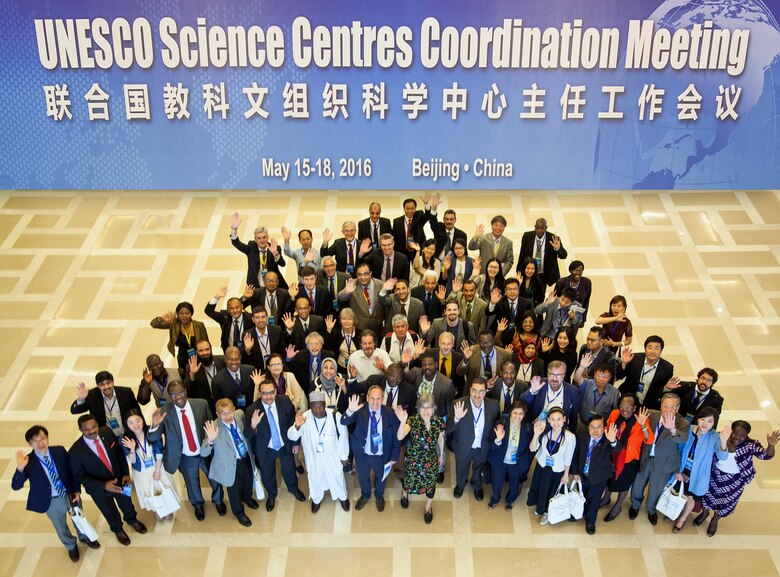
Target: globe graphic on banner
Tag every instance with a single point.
(667, 153)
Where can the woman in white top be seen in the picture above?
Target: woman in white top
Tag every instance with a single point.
(554, 448)
(424, 260)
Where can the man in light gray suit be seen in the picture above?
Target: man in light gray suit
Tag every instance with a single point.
(494, 244)
(451, 322)
(662, 458)
(362, 296)
(231, 464)
(182, 421)
(397, 300)
(483, 360)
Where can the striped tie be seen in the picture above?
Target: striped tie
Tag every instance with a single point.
(55, 478)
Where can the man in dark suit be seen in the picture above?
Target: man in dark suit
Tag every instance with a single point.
(202, 369)
(53, 487)
(182, 422)
(387, 263)
(409, 227)
(344, 249)
(99, 463)
(542, 396)
(594, 344)
(262, 340)
(374, 442)
(397, 300)
(431, 294)
(319, 301)
(694, 396)
(592, 464)
(445, 232)
(545, 248)
(233, 321)
(262, 255)
(507, 389)
(298, 328)
(472, 307)
(105, 402)
(511, 306)
(270, 418)
(395, 390)
(374, 226)
(234, 382)
(469, 425)
(645, 374)
(276, 301)
(306, 365)
(333, 281)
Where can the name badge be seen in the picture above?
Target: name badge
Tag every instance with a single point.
(271, 320)
(149, 463)
(262, 273)
(586, 468)
(127, 490)
(592, 413)
(513, 458)
(241, 401)
(113, 423)
(350, 268)
(538, 263)
(320, 447)
(689, 464)
(542, 416)
(190, 353)
(376, 438)
(162, 401)
(689, 417)
(550, 461)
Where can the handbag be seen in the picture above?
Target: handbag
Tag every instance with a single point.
(576, 499)
(672, 501)
(82, 524)
(163, 499)
(558, 508)
(258, 483)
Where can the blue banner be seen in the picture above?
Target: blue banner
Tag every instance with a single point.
(496, 94)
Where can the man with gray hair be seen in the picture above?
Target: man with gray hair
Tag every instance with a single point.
(262, 254)
(345, 249)
(400, 340)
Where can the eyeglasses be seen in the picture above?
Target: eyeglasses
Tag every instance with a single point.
(275, 364)
(478, 391)
(625, 406)
(557, 375)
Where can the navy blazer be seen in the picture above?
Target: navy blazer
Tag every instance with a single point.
(391, 446)
(365, 228)
(259, 438)
(633, 372)
(600, 469)
(252, 252)
(571, 399)
(225, 322)
(39, 497)
(93, 404)
(497, 453)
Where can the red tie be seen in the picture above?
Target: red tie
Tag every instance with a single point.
(368, 296)
(311, 298)
(188, 432)
(102, 454)
(350, 254)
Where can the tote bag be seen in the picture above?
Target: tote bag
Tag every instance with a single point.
(576, 500)
(558, 508)
(672, 501)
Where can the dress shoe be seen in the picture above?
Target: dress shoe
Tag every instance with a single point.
(508, 507)
(299, 495)
(653, 518)
(380, 504)
(252, 503)
(315, 507)
(676, 529)
(122, 537)
(221, 509)
(347, 468)
(544, 520)
(700, 519)
(491, 505)
(404, 502)
(457, 492)
(138, 526)
(90, 544)
(712, 529)
(244, 520)
(479, 494)
(345, 504)
(633, 513)
(604, 503)
(300, 470)
(200, 514)
(270, 503)
(428, 517)
(590, 529)
(360, 503)
(440, 478)
(74, 553)
(610, 517)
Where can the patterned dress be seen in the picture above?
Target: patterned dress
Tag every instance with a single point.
(422, 461)
(725, 489)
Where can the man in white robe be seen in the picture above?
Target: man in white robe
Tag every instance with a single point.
(325, 443)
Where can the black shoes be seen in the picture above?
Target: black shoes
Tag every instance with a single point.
(591, 529)
(345, 504)
(244, 520)
(270, 502)
(404, 502)
(138, 526)
(122, 537)
(90, 544)
(428, 517)
(299, 495)
(633, 513)
(653, 518)
(252, 503)
(221, 509)
(380, 504)
(440, 478)
(610, 517)
(74, 553)
(315, 507)
(200, 514)
(457, 492)
(479, 494)
(360, 503)
(300, 470)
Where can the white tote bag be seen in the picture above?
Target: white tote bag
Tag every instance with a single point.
(672, 501)
(258, 484)
(576, 499)
(558, 508)
(163, 499)
(82, 523)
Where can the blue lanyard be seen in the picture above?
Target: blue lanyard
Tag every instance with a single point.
(650, 370)
(549, 400)
(591, 446)
(163, 385)
(555, 444)
(601, 396)
(479, 415)
(324, 422)
(348, 339)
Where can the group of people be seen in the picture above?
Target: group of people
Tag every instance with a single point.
(389, 352)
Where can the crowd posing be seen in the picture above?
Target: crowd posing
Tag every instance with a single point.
(394, 353)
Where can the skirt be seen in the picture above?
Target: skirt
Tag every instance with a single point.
(626, 479)
(544, 485)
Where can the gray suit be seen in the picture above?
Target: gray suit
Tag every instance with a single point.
(478, 311)
(439, 326)
(375, 319)
(550, 311)
(656, 471)
(393, 307)
(484, 244)
(473, 367)
(462, 439)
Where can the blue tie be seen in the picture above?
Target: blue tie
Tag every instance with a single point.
(55, 478)
(374, 431)
(237, 441)
(276, 441)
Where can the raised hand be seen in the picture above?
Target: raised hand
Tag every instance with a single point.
(291, 351)
(326, 236)
(129, 443)
(309, 256)
(221, 292)
(401, 413)
(501, 325)
(555, 241)
(536, 383)
(426, 197)
(157, 418)
(476, 265)
(258, 378)
(724, 436)
(389, 285)
(286, 234)
(365, 246)
(551, 297)
(500, 432)
(479, 231)
(249, 342)
(642, 416)
(273, 246)
(379, 364)
(289, 321)
(300, 419)
(293, 290)
(587, 360)
(466, 348)
(626, 355)
(147, 376)
(773, 438)
(21, 460)
(495, 296)
(211, 431)
(414, 246)
(457, 284)
(446, 263)
(419, 347)
(249, 290)
(673, 383)
(354, 404)
(330, 322)
(435, 201)
(352, 370)
(441, 292)
(341, 383)
(257, 416)
(235, 220)
(406, 356)
(81, 391)
(621, 317)
(547, 344)
(459, 409)
(669, 421)
(350, 285)
(424, 323)
(491, 382)
(611, 433)
(539, 427)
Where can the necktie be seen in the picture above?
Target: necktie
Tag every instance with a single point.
(350, 254)
(448, 244)
(374, 431)
(367, 296)
(403, 309)
(305, 327)
(276, 441)
(263, 259)
(512, 309)
(376, 236)
(236, 333)
(240, 446)
(488, 370)
(507, 401)
(468, 312)
(191, 444)
(428, 305)
(390, 397)
(443, 367)
(315, 368)
(273, 305)
(409, 228)
(388, 272)
(102, 454)
(426, 388)
(55, 478)
(311, 299)
(331, 290)
(591, 446)
(496, 242)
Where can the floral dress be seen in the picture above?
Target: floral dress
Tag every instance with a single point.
(422, 460)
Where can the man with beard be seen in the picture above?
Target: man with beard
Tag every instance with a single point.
(233, 321)
(463, 331)
(202, 369)
(694, 396)
(155, 382)
(396, 297)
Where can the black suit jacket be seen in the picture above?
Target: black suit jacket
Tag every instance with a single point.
(300, 366)
(550, 263)
(399, 231)
(224, 387)
(407, 395)
(502, 311)
(322, 303)
(283, 303)
(365, 229)
(517, 393)
(462, 432)
(458, 381)
(259, 438)
(225, 322)
(298, 337)
(600, 469)
(255, 355)
(39, 497)
(252, 252)
(339, 250)
(400, 265)
(90, 471)
(93, 404)
(436, 308)
(633, 373)
(200, 387)
(440, 234)
(685, 392)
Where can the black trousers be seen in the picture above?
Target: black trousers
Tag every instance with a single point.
(108, 502)
(268, 471)
(241, 490)
(593, 493)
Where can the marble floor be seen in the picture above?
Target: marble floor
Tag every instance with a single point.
(82, 273)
